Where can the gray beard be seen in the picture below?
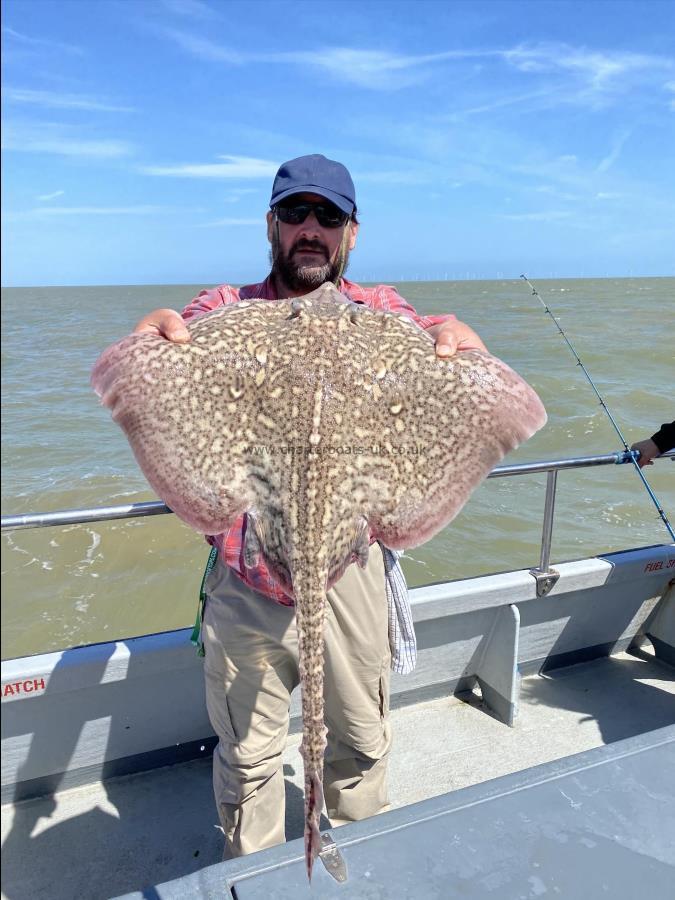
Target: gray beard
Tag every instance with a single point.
(305, 278)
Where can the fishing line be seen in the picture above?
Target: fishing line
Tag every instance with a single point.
(630, 455)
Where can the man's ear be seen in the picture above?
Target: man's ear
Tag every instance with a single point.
(354, 230)
(270, 225)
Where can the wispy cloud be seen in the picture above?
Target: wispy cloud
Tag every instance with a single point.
(26, 41)
(670, 86)
(507, 161)
(192, 9)
(593, 73)
(543, 216)
(413, 175)
(598, 68)
(589, 77)
(205, 49)
(233, 167)
(492, 105)
(570, 76)
(55, 139)
(235, 196)
(45, 197)
(53, 100)
(375, 69)
(614, 153)
(229, 221)
(555, 192)
(48, 212)
(67, 147)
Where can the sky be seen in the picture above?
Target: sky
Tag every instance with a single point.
(140, 138)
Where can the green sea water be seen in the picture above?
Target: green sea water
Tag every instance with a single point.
(66, 586)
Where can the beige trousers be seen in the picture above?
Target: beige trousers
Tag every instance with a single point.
(251, 667)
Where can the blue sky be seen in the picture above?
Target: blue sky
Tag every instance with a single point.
(140, 137)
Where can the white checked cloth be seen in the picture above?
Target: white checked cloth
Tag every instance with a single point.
(401, 629)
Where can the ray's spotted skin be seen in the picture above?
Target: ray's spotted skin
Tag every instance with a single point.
(328, 423)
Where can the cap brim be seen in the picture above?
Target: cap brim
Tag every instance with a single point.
(341, 202)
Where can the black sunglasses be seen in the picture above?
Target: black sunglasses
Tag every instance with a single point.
(327, 214)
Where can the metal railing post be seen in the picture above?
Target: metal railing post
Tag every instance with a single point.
(544, 575)
(547, 525)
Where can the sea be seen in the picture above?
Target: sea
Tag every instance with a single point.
(80, 584)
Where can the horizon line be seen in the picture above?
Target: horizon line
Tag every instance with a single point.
(365, 281)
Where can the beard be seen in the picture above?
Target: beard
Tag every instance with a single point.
(303, 277)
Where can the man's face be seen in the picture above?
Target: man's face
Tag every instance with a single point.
(307, 255)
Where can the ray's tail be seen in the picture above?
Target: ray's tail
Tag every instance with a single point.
(310, 604)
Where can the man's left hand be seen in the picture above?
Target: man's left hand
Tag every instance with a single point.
(453, 336)
(648, 452)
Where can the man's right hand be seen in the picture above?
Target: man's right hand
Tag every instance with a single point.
(166, 323)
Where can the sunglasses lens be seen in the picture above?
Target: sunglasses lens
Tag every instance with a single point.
(327, 215)
(293, 215)
(330, 216)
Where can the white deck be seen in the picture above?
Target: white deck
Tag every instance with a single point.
(102, 841)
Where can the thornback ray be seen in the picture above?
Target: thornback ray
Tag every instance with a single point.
(331, 425)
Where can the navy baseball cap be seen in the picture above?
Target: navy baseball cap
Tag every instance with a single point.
(315, 175)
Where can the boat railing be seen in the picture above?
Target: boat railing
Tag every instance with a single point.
(543, 573)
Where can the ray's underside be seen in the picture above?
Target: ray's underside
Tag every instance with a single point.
(331, 425)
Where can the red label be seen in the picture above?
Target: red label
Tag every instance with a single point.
(19, 688)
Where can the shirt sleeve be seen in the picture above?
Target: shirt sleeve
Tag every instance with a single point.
(389, 299)
(665, 437)
(205, 301)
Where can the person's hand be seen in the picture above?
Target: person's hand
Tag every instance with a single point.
(648, 450)
(166, 323)
(452, 336)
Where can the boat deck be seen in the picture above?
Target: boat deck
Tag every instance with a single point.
(134, 831)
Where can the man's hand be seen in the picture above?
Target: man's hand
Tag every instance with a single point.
(452, 336)
(648, 450)
(166, 323)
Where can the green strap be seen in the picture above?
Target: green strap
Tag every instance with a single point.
(196, 636)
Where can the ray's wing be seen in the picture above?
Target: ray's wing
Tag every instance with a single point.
(183, 408)
(449, 423)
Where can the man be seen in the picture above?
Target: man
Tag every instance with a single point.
(248, 626)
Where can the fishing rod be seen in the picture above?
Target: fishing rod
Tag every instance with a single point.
(629, 452)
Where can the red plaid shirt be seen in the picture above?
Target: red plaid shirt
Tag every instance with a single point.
(230, 543)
